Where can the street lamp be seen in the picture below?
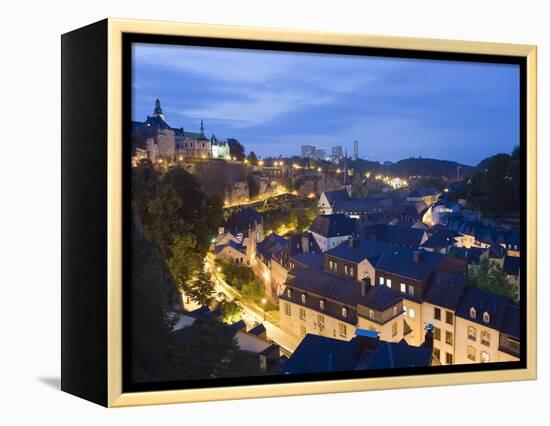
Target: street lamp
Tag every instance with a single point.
(264, 301)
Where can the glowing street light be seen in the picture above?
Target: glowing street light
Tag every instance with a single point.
(260, 163)
(219, 269)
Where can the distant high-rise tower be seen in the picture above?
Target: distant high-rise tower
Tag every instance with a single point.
(346, 181)
(308, 151)
(355, 150)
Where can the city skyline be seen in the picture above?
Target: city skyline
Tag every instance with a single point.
(274, 102)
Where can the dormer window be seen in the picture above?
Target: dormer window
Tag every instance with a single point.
(344, 312)
(394, 311)
(289, 293)
(322, 304)
(473, 313)
(486, 317)
(371, 314)
(304, 298)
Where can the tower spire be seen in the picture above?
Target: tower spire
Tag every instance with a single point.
(158, 110)
(202, 128)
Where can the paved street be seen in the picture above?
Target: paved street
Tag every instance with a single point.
(252, 314)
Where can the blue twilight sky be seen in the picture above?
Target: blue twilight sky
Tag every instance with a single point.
(273, 102)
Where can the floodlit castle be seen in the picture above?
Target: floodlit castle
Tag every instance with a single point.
(157, 140)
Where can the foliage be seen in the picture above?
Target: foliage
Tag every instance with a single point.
(230, 309)
(236, 149)
(430, 182)
(253, 187)
(491, 277)
(252, 159)
(185, 260)
(243, 279)
(495, 187)
(201, 289)
(208, 352)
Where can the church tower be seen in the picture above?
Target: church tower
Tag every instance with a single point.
(158, 110)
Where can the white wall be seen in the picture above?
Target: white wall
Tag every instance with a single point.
(31, 236)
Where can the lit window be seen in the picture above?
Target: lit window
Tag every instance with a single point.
(394, 311)
(381, 280)
(344, 312)
(388, 283)
(330, 263)
(471, 353)
(473, 313)
(343, 330)
(437, 313)
(449, 338)
(485, 338)
(411, 290)
(411, 313)
(304, 298)
(351, 270)
(322, 304)
(472, 333)
(288, 309)
(346, 269)
(404, 310)
(289, 293)
(403, 288)
(449, 317)
(485, 356)
(486, 317)
(371, 314)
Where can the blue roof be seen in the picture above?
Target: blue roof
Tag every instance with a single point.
(333, 225)
(271, 245)
(445, 290)
(317, 354)
(401, 262)
(397, 355)
(362, 249)
(394, 234)
(424, 192)
(309, 259)
(230, 243)
(483, 301)
(337, 195)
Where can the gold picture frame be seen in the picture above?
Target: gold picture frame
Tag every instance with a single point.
(116, 28)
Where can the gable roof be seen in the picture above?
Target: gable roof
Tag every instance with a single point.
(317, 354)
(361, 249)
(271, 245)
(334, 225)
(243, 220)
(230, 243)
(401, 262)
(337, 195)
(446, 290)
(440, 239)
(309, 259)
(394, 234)
(397, 355)
(483, 301)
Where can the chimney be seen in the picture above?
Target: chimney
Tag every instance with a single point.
(305, 243)
(417, 256)
(352, 242)
(365, 285)
(429, 337)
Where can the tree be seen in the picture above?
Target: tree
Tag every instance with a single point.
(207, 353)
(144, 186)
(163, 221)
(230, 309)
(236, 149)
(491, 277)
(252, 159)
(201, 289)
(185, 260)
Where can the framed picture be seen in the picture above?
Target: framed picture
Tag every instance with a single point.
(250, 212)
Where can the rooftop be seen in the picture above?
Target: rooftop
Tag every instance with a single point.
(333, 225)
(445, 290)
